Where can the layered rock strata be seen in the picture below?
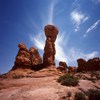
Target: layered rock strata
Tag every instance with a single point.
(51, 32)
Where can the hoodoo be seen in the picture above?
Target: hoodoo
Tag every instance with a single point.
(51, 32)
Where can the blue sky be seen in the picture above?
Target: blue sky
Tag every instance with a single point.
(23, 21)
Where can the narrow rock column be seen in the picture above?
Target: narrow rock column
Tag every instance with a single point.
(51, 32)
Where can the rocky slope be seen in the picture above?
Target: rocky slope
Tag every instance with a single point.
(43, 88)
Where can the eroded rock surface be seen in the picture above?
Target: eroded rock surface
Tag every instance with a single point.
(26, 58)
(49, 49)
(62, 67)
(35, 57)
(81, 65)
(72, 69)
(45, 88)
(90, 65)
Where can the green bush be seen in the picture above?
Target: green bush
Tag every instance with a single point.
(79, 96)
(68, 80)
(93, 94)
(18, 76)
(31, 72)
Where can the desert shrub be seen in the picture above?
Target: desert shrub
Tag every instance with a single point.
(69, 94)
(68, 80)
(92, 79)
(92, 74)
(93, 94)
(18, 76)
(79, 96)
(83, 72)
(98, 77)
(31, 72)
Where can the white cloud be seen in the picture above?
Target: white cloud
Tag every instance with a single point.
(86, 18)
(76, 30)
(76, 18)
(38, 41)
(91, 28)
(93, 54)
(74, 54)
(60, 52)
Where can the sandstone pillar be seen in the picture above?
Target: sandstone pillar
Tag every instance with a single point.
(51, 32)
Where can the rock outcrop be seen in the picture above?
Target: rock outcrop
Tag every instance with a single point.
(49, 49)
(26, 58)
(62, 67)
(93, 64)
(81, 65)
(90, 65)
(72, 69)
(35, 57)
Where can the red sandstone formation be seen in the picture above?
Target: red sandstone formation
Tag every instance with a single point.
(26, 58)
(62, 66)
(90, 65)
(49, 49)
(93, 64)
(72, 69)
(35, 57)
(81, 65)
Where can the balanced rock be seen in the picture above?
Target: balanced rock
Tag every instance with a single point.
(62, 66)
(51, 32)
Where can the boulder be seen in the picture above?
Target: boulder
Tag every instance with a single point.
(62, 67)
(51, 32)
(72, 69)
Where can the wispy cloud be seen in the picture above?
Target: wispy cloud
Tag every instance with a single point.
(91, 28)
(74, 2)
(91, 55)
(77, 18)
(74, 54)
(86, 18)
(50, 19)
(60, 43)
(38, 41)
(96, 1)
